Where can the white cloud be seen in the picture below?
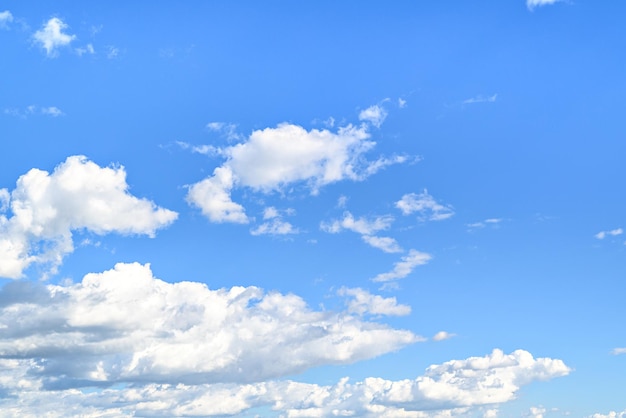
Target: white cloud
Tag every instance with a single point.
(78, 195)
(274, 224)
(531, 4)
(443, 335)
(125, 326)
(52, 111)
(274, 159)
(51, 36)
(375, 115)
(405, 266)
(537, 412)
(613, 232)
(426, 205)
(401, 103)
(228, 130)
(364, 302)
(5, 18)
(88, 49)
(481, 224)
(112, 52)
(367, 228)
(618, 351)
(454, 388)
(386, 244)
(361, 225)
(481, 99)
(612, 414)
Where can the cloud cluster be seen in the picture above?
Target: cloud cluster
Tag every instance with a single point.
(78, 196)
(124, 325)
(367, 228)
(363, 302)
(423, 203)
(613, 233)
(51, 36)
(274, 223)
(273, 158)
(449, 389)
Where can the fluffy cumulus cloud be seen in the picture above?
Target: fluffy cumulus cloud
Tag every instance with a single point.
(532, 4)
(6, 17)
(51, 36)
(454, 388)
(79, 195)
(125, 326)
(366, 227)
(272, 159)
(442, 335)
(404, 267)
(424, 204)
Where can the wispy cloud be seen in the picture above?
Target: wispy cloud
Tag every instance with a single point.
(33, 110)
(405, 266)
(618, 351)
(613, 232)
(426, 205)
(5, 18)
(532, 4)
(51, 36)
(274, 223)
(443, 335)
(494, 222)
(481, 99)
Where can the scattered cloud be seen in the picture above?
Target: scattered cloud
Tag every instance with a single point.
(88, 49)
(366, 228)
(532, 4)
(405, 266)
(375, 115)
(274, 224)
(228, 130)
(426, 205)
(482, 224)
(5, 18)
(612, 414)
(443, 335)
(613, 232)
(112, 52)
(51, 37)
(401, 103)
(454, 388)
(78, 195)
(126, 326)
(481, 99)
(364, 302)
(273, 158)
(52, 111)
(618, 351)
(385, 244)
(362, 225)
(536, 412)
(33, 110)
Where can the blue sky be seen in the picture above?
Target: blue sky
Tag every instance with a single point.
(312, 209)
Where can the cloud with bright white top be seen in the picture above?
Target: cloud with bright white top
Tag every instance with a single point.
(288, 155)
(454, 388)
(126, 326)
(364, 302)
(78, 196)
(51, 36)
